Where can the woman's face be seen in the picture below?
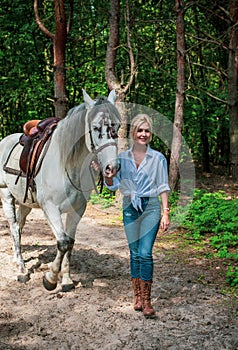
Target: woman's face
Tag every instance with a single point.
(143, 134)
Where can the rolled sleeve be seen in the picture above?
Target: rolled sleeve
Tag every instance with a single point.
(115, 185)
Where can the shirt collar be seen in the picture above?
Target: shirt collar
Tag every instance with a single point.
(148, 151)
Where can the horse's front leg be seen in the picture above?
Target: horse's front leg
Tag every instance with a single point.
(71, 224)
(64, 248)
(67, 282)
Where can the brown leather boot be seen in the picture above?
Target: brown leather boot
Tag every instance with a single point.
(137, 294)
(145, 287)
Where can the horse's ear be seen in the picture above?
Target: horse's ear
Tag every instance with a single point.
(112, 97)
(88, 101)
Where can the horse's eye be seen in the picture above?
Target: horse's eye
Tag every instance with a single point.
(98, 130)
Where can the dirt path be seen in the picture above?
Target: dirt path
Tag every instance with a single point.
(99, 314)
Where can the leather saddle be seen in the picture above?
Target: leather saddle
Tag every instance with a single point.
(36, 134)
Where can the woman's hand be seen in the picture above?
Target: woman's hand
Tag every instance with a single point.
(110, 174)
(165, 221)
(95, 165)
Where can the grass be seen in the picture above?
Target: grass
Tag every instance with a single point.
(198, 256)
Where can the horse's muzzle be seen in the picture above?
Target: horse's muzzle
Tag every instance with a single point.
(112, 169)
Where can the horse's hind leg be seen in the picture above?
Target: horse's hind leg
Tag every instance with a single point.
(22, 213)
(8, 204)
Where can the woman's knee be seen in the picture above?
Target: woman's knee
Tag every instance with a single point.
(146, 255)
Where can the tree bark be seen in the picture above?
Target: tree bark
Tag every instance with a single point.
(112, 45)
(60, 39)
(59, 43)
(110, 67)
(232, 89)
(179, 105)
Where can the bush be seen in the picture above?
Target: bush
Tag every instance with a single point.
(216, 215)
(105, 199)
(232, 276)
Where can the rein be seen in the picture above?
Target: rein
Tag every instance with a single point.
(111, 133)
(100, 182)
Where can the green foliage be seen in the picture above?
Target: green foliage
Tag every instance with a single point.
(173, 199)
(232, 276)
(25, 85)
(26, 61)
(27, 88)
(216, 216)
(214, 213)
(105, 199)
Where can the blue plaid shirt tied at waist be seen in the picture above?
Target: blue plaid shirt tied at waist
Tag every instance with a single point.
(150, 179)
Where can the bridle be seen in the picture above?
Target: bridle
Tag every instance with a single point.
(111, 134)
(96, 151)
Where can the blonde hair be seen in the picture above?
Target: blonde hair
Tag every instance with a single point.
(136, 122)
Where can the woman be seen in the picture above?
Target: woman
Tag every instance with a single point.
(141, 179)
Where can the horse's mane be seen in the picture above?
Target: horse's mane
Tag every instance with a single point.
(71, 130)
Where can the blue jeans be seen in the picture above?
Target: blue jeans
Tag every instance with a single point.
(141, 228)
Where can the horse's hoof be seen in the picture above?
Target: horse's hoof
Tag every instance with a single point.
(23, 278)
(48, 285)
(68, 287)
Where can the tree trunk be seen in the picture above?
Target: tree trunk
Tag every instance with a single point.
(60, 39)
(232, 89)
(110, 67)
(179, 105)
(112, 45)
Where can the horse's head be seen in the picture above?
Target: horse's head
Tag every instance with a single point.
(102, 123)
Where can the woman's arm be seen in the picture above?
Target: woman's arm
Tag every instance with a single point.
(165, 221)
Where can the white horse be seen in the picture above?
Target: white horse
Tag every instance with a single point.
(64, 181)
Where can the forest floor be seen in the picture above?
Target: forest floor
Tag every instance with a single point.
(195, 309)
